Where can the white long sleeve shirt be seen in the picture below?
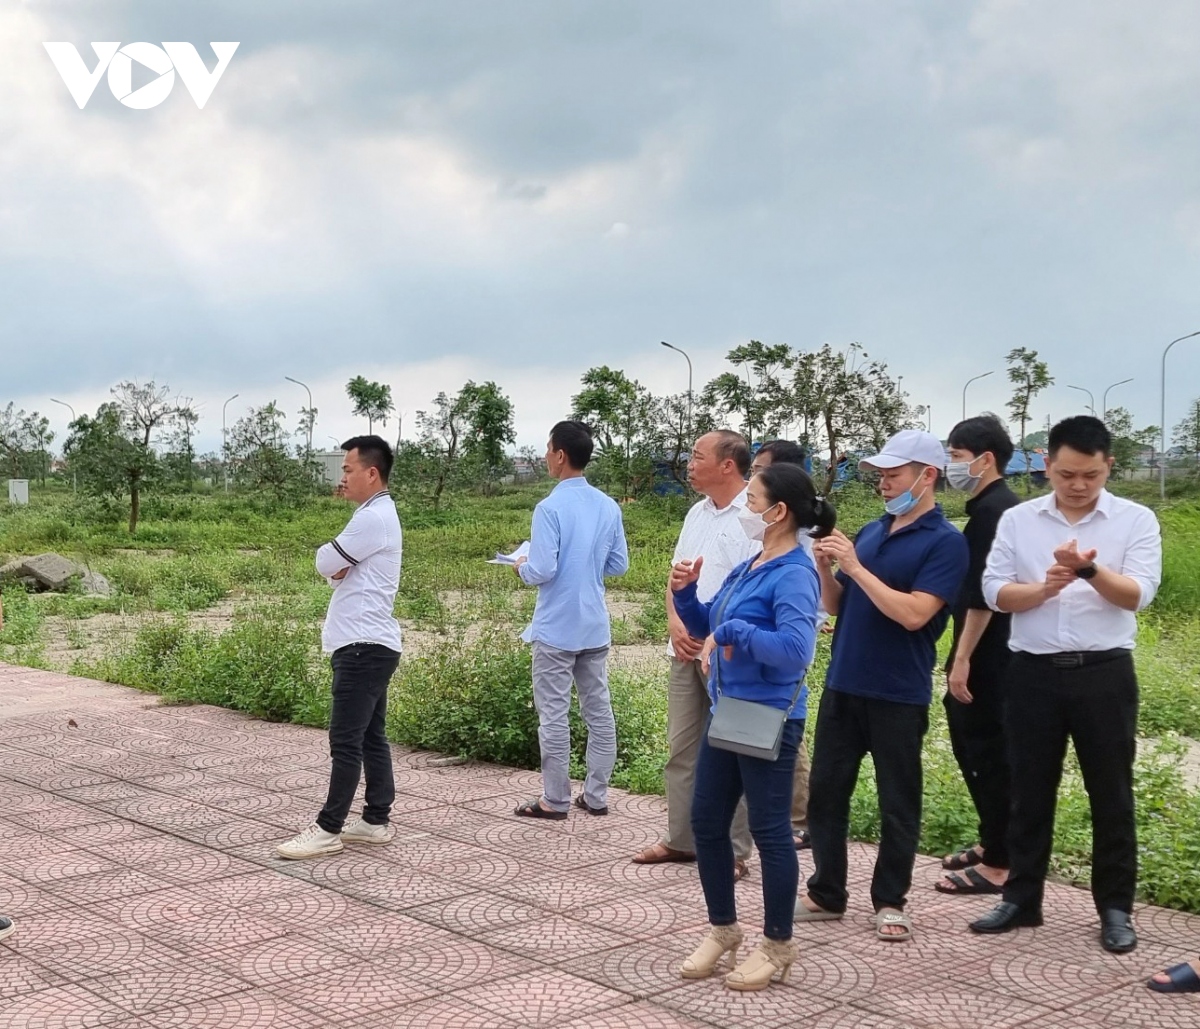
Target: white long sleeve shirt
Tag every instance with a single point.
(361, 608)
(1127, 540)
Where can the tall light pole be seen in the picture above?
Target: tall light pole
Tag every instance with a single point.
(968, 382)
(1104, 399)
(310, 408)
(74, 480)
(1091, 399)
(1162, 464)
(677, 350)
(225, 442)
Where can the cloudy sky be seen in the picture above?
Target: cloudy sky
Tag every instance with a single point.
(426, 192)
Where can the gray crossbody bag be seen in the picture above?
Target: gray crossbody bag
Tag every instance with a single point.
(745, 726)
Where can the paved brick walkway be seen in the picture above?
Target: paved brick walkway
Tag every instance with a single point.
(136, 852)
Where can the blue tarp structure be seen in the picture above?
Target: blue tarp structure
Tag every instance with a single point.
(1037, 463)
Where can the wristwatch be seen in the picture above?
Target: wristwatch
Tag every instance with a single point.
(1086, 573)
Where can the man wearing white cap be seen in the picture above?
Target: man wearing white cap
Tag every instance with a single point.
(891, 592)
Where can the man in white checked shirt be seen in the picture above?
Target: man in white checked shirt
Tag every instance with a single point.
(1073, 567)
(719, 463)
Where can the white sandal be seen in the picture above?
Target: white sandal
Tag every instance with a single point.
(888, 917)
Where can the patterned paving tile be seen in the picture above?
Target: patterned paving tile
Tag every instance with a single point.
(440, 1013)
(635, 1016)
(708, 1000)
(20, 975)
(643, 969)
(1128, 1007)
(144, 990)
(60, 1007)
(553, 939)
(476, 913)
(253, 1009)
(541, 998)
(373, 936)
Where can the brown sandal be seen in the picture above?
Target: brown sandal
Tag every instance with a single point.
(660, 853)
(740, 869)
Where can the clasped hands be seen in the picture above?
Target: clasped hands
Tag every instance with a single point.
(1068, 560)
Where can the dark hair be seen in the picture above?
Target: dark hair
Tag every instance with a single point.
(789, 484)
(1083, 433)
(784, 451)
(575, 440)
(373, 452)
(983, 435)
(732, 446)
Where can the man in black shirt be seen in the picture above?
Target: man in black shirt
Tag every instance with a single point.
(980, 449)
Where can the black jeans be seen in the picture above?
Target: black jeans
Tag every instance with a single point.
(848, 728)
(981, 749)
(722, 777)
(1096, 706)
(357, 737)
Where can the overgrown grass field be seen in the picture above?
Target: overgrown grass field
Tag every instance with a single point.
(464, 686)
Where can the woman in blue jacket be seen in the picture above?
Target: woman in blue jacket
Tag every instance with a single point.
(764, 623)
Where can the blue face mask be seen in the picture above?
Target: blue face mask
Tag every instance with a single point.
(904, 503)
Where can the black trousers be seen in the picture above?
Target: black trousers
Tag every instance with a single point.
(357, 736)
(1095, 706)
(979, 740)
(848, 728)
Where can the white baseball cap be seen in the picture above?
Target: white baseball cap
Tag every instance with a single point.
(906, 447)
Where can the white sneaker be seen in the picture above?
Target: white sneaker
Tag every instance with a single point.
(359, 831)
(313, 842)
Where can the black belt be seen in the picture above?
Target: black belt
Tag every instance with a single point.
(1077, 658)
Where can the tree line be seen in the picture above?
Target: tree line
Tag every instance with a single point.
(829, 400)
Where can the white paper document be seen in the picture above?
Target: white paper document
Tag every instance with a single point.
(511, 559)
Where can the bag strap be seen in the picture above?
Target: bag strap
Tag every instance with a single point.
(717, 648)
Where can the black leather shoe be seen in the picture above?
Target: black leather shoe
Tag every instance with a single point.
(1117, 934)
(1005, 917)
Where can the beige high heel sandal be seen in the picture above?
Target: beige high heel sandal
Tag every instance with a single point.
(757, 971)
(702, 962)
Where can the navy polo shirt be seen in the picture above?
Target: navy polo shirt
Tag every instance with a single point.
(874, 656)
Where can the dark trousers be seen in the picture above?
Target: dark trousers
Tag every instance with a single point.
(357, 737)
(1096, 706)
(848, 728)
(722, 777)
(981, 749)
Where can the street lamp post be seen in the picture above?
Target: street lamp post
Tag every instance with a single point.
(225, 442)
(677, 350)
(310, 408)
(1091, 399)
(1162, 462)
(74, 479)
(969, 381)
(1104, 398)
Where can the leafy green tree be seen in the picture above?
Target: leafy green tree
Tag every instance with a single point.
(1029, 376)
(620, 411)
(759, 392)
(489, 423)
(1128, 443)
(109, 460)
(372, 400)
(179, 458)
(1186, 435)
(25, 439)
(263, 458)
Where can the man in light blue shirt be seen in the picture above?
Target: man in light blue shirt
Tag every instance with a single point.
(577, 540)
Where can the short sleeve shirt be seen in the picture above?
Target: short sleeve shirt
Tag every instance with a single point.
(874, 656)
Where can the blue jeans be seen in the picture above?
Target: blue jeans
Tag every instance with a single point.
(721, 779)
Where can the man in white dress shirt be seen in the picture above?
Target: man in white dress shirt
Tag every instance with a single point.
(1073, 568)
(717, 469)
(362, 637)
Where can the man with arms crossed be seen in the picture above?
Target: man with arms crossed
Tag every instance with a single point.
(1073, 568)
(717, 469)
(891, 594)
(577, 539)
(363, 638)
(979, 452)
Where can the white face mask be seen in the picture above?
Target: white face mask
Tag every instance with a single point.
(754, 525)
(958, 474)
